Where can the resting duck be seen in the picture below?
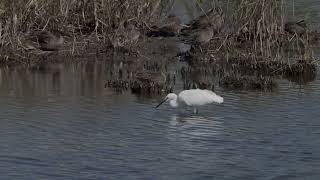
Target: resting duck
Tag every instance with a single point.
(45, 41)
(171, 28)
(202, 36)
(298, 27)
(125, 35)
(213, 18)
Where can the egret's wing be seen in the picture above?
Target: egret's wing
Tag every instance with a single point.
(214, 97)
(198, 97)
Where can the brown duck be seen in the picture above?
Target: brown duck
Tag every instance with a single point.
(203, 36)
(199, 36)
(133, 32)
(214, 18)
(298, 28)
(126, 34)
(171, 28)
(45, 40)
(49, 41)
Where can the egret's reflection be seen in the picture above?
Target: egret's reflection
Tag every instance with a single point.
(193, 133)
(196, 125)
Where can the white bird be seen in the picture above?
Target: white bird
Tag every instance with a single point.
(192, 97)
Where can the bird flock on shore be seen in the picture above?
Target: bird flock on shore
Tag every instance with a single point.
(197, 33)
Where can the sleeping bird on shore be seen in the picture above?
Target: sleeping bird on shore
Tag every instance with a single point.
(202, 36)
(298, 27)
(213, 18)
(44, 40)
(126, 35)
(49, 41)
(171, 28)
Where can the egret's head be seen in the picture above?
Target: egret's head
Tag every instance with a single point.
(169, 97)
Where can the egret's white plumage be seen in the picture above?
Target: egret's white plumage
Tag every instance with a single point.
(193, 97)
(198, 97)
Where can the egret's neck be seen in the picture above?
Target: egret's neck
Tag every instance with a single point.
(173, 103)
(172, 98)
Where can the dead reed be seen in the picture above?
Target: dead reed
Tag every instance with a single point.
(258, 31)
(74, 19)
(259, 43)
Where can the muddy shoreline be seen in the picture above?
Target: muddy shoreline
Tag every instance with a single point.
(147, 69)
(250, 54)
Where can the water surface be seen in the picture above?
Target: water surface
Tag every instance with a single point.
(60, 122)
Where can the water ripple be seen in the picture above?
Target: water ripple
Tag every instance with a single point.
(96, 133)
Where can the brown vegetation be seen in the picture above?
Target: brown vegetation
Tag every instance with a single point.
(251, 45)
(255, 44)
(79, 22)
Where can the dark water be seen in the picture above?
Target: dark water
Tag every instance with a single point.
(61, 123)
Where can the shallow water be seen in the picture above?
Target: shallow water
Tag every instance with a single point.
(61, 123)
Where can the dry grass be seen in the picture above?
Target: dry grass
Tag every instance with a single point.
(256, 49)
(258, 32)
(76, 19)
(258, 25)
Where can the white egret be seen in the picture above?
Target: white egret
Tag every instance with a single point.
(192, 97)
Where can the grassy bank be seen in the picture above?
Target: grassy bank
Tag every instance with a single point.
(258, 30)
(74, 19)
(256, 25)
(254, 39)
(258, 46)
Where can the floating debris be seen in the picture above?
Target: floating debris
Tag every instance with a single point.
(301, 72)
(250, 66)
(139, 87)
(248, 83)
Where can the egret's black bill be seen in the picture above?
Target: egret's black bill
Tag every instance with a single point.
(161, 102)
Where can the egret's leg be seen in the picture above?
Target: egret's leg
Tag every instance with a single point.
(195, 110)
